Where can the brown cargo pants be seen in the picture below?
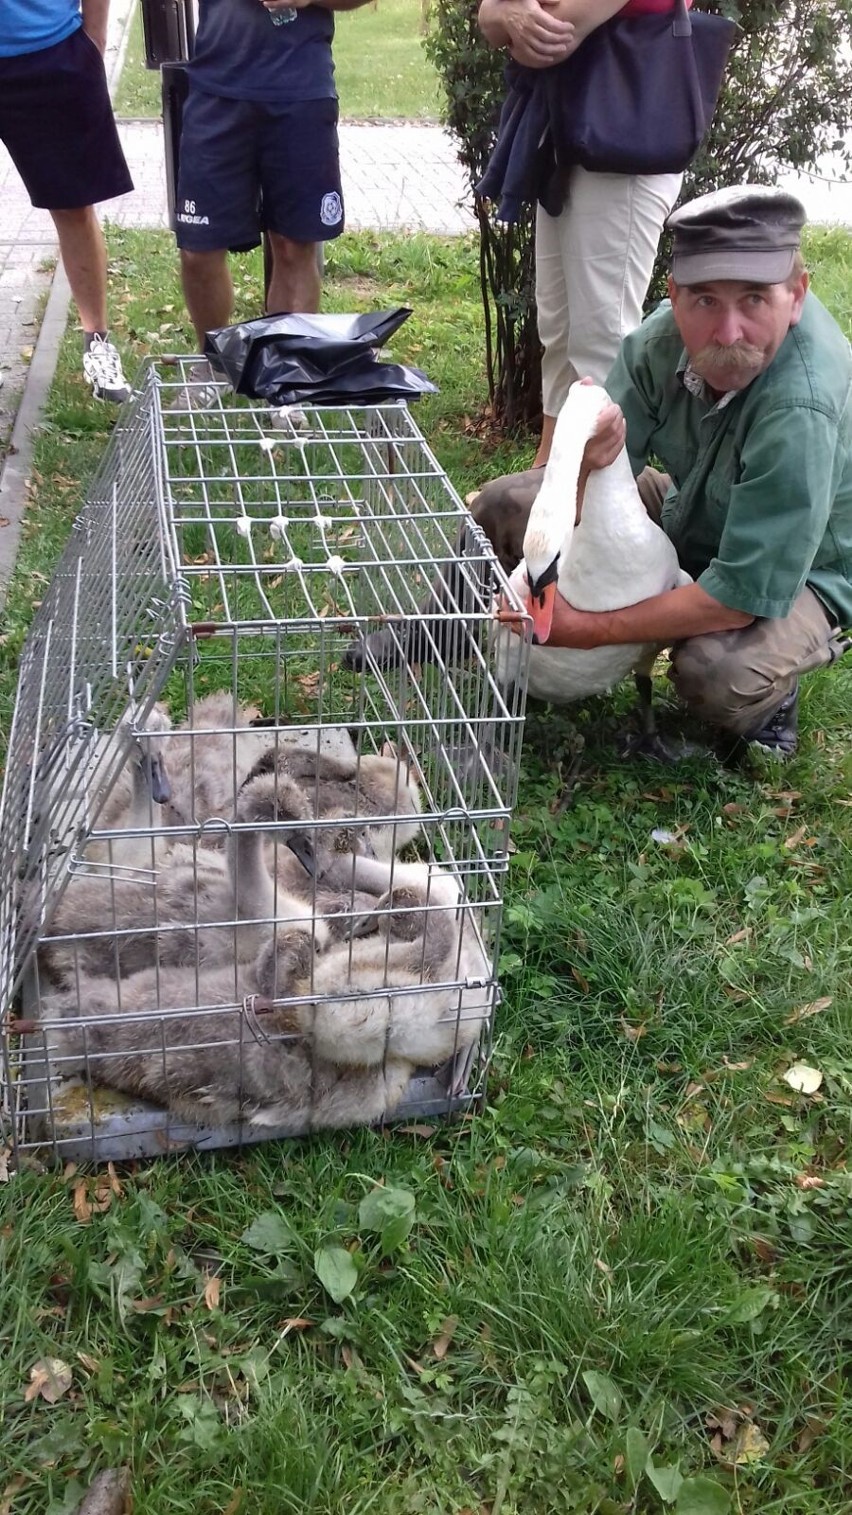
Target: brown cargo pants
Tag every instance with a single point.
(732, 679)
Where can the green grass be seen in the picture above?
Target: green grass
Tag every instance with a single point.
(644, 1240)
(381, 68)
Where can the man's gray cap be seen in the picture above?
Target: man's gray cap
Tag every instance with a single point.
(750, 232)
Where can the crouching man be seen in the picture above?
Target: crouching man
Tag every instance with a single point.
(741, 385)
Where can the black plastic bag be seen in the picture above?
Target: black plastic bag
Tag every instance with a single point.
(315, 359)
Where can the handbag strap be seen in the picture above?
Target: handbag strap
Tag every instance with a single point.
(681, 25)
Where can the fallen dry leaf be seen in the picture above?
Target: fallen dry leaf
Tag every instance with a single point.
(795, 838)
(440, 1345)
(809, 1181)
(764, 1249)
(50, 1378)
(107, 1494)
(234, 1502)
(7, 1496)
(777, 1099)
(102, 1198)
(739, 936)
(725, 1422)
(418, 1130)
(815, 1008)
(633, 1033)
(212, 1291)
(803, 1078)
(293, 1323)
(738, 1067)
(578, 977)
(82, 1208)
(813, 1428)
(5, 1154)
(750, 1444)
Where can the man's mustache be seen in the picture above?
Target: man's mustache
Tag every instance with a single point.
(737, 355)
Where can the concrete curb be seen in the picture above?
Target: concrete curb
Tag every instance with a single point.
(15, 475)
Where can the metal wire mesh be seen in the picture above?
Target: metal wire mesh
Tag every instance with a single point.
(223, 562)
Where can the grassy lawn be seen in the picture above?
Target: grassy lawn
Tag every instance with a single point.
(632, 1269)
(379, 60)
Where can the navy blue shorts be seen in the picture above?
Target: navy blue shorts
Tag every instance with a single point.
(247, 167)
(57, 123)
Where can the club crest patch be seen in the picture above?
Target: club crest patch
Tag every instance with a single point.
(331, 210)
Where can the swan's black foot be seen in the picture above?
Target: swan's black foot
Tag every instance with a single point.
(648, 744)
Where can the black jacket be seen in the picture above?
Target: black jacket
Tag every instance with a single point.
(528, 161)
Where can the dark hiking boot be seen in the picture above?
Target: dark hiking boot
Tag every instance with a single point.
(780, 733)
(778, 736)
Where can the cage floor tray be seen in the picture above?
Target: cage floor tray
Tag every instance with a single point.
(101, 1125)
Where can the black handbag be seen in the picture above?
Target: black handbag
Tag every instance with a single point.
(639, 94)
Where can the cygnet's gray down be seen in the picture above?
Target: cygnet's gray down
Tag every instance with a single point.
(371, 789)
(211, 1066)
(419, 942)
(201, 906)
(210, 755)
(141, 787)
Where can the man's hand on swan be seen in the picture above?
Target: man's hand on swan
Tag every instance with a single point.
(534, 35)
(569, 627)
(609, 438)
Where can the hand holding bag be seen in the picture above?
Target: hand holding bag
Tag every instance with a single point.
(638, 95)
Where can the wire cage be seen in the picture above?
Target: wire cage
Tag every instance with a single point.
(250, 883)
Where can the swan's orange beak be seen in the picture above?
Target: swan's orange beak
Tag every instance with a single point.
(541, 609)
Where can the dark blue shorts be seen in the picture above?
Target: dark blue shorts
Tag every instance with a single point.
(57, 123)
(247, 167)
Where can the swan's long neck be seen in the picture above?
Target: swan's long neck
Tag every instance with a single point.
(550, 529)
(254, 890)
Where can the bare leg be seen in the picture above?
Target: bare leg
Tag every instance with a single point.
(207, 289)
(295, 282)
(81, 243)
(548, 426)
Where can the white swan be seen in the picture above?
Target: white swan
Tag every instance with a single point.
(615, 556)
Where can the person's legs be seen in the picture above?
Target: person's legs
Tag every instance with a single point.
(301, 203)
(502, 508)
(592, 274)
(295, 282)
(84, 257)
(57, 122)
(653, 486)
(207, 289)
(738, 680)
(554, 318)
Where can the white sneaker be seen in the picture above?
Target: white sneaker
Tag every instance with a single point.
(201, 389)
(102, 369)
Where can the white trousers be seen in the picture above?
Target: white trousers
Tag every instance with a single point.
(593, 266)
